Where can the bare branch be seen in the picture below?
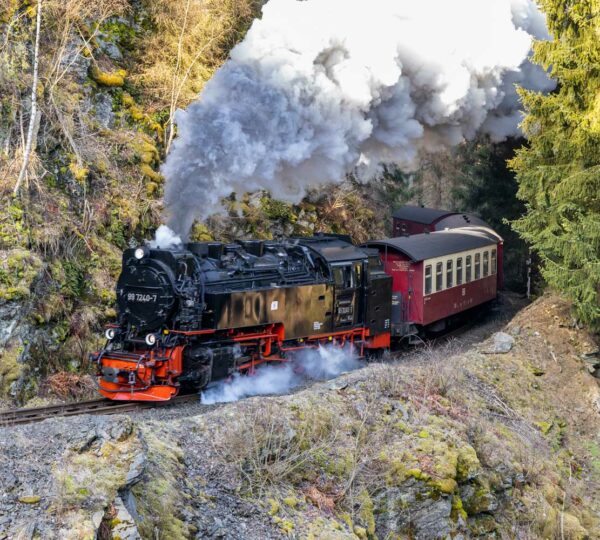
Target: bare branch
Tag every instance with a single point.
(34, 111)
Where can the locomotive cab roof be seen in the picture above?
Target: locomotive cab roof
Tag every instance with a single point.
(335, 248)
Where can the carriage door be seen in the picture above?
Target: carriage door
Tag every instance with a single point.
(348, 280)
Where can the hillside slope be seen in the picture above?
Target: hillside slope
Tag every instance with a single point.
(451, 440)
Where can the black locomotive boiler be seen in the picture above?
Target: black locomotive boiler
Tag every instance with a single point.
(201, 311)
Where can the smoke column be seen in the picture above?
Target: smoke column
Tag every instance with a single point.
(322, 88)
(320, 364)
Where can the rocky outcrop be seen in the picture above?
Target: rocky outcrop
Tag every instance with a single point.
(64, 489)
(501, 343)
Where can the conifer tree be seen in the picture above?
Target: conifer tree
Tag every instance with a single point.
(487, 187)
(559, 171)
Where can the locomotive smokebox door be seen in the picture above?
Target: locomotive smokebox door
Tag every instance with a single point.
(146, 291)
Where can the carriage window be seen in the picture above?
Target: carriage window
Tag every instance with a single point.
(486, 263)
(477, 265)
(375, 264)
(468, 268)
(439, 276)
(459, 275)
(494, 263)
(428, 279)
(449, 272)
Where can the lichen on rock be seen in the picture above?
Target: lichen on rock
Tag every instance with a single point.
(108, 78)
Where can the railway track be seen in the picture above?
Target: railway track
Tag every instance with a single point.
(12, 417)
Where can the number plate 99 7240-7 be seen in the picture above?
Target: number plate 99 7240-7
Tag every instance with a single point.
(141, 297)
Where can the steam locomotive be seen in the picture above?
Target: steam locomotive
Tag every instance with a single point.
(203, 310)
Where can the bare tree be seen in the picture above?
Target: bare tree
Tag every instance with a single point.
(180, 77)
(33, 120)
(193, 39)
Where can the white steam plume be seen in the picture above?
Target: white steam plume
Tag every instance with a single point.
(165, 238)
(321, 364)
(321, 88)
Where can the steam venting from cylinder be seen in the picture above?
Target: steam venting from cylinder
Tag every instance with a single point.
(319, 89)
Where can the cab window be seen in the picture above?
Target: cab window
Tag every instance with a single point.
(345, 276)
(338, 276)
(357, 275)
(494, 262)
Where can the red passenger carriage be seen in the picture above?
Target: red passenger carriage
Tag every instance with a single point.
(440, 274)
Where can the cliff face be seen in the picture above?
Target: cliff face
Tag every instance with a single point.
(86, 107)
(474, 439)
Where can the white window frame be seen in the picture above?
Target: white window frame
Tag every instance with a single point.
(472, 253)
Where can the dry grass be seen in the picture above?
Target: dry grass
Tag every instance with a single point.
(268, 447)
(69, 386)
(412, 417)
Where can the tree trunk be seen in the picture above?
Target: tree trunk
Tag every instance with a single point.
(34, 110)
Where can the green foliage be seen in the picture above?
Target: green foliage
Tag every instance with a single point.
(18, 270)
(395, 186)
(489, 189)
(559, 173)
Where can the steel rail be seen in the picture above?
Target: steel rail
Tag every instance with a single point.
(12, 417)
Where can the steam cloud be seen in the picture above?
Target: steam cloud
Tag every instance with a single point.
(322, 363)
(321, 88)
(165, 238)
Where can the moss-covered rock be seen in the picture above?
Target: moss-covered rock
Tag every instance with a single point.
(18, 270)
(108, 78)
(157, 495)
(10, 367)
(478, 499)
(467, 465)
(149, 173)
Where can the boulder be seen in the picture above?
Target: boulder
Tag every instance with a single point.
(501, 343)
(412, 507)
(125, 527)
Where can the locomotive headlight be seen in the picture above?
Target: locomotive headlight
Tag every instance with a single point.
(110, 334)
(151, 339)
(139, 253)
